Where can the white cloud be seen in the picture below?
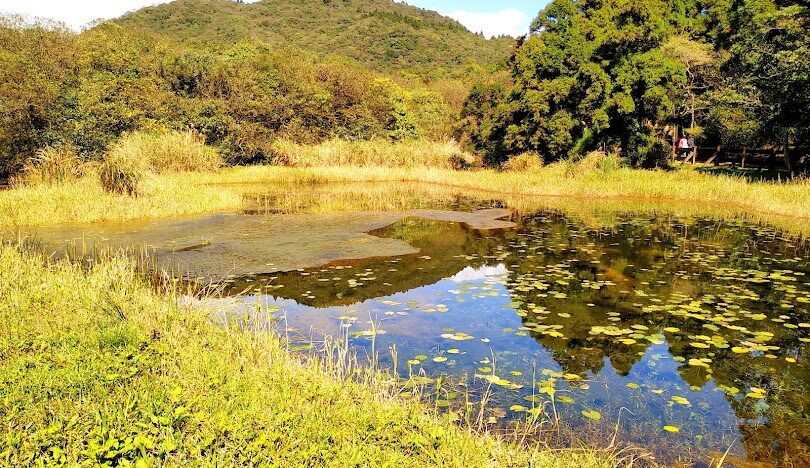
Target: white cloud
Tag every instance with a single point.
(509, 22)
(74, 13)
(477, 274)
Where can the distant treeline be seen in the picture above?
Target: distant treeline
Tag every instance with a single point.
(632, 75)
(58, 88)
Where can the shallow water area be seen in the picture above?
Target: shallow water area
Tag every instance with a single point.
(688, 334)
(236, 245)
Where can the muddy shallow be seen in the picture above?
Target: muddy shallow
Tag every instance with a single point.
(237, 245)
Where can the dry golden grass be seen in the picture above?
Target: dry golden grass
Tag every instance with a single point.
(791, 199)
(784, 204)
(376, 153)
(85, 201)
(51, 166)
(166, 151)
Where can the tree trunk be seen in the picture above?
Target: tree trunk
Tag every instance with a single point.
(786, 154)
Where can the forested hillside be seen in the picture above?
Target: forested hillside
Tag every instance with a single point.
(83, 92)
(384, 35)
(622, 76)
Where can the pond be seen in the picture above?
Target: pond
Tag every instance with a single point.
(686, 337)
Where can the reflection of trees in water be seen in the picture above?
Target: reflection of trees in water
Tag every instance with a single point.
(449, 246)
(657, 255)
(661, 256)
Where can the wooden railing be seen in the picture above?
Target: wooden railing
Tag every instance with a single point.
(770, 158)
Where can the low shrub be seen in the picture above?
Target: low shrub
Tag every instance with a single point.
(523, 162)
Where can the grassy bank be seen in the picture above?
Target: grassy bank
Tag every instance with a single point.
(166, 195)
(786, 199)
(95, 367)
(412, 154)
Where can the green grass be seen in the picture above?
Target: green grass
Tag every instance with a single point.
(97, 368)
(85, 201)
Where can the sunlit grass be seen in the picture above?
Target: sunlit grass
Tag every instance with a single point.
(375, 153)
(98, 368)
(786, 204)
(85, 201)
(789, 199)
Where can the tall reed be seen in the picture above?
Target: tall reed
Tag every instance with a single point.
(167, 151)
(53, 165)
(381, 153)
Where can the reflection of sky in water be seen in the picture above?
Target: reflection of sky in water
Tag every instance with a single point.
(476, 301)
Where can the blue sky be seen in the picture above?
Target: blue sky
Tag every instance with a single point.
(510, 17)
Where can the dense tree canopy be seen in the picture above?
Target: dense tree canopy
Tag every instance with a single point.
(625, 74)
(383, 35)
(622, 75)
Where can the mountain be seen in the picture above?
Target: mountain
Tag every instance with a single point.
(383, 35)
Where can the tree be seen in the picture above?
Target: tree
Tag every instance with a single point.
(591, 74)
(699, 63)
(37, 71)
(769, 61)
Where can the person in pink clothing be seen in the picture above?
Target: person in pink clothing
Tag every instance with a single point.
(684, 148)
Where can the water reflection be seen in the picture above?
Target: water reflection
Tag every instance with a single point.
(697, 330)
(691, 334)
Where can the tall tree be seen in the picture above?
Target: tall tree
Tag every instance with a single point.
(591, 74)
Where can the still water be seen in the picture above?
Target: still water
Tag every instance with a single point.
(687, 337)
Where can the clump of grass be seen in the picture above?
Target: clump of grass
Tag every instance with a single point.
(594, 161)
(98, 369)
(53, 165)
(168, 151)
(523, 162)
(137, 154)
(600, 160)
(380, 153)
(122, 170)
